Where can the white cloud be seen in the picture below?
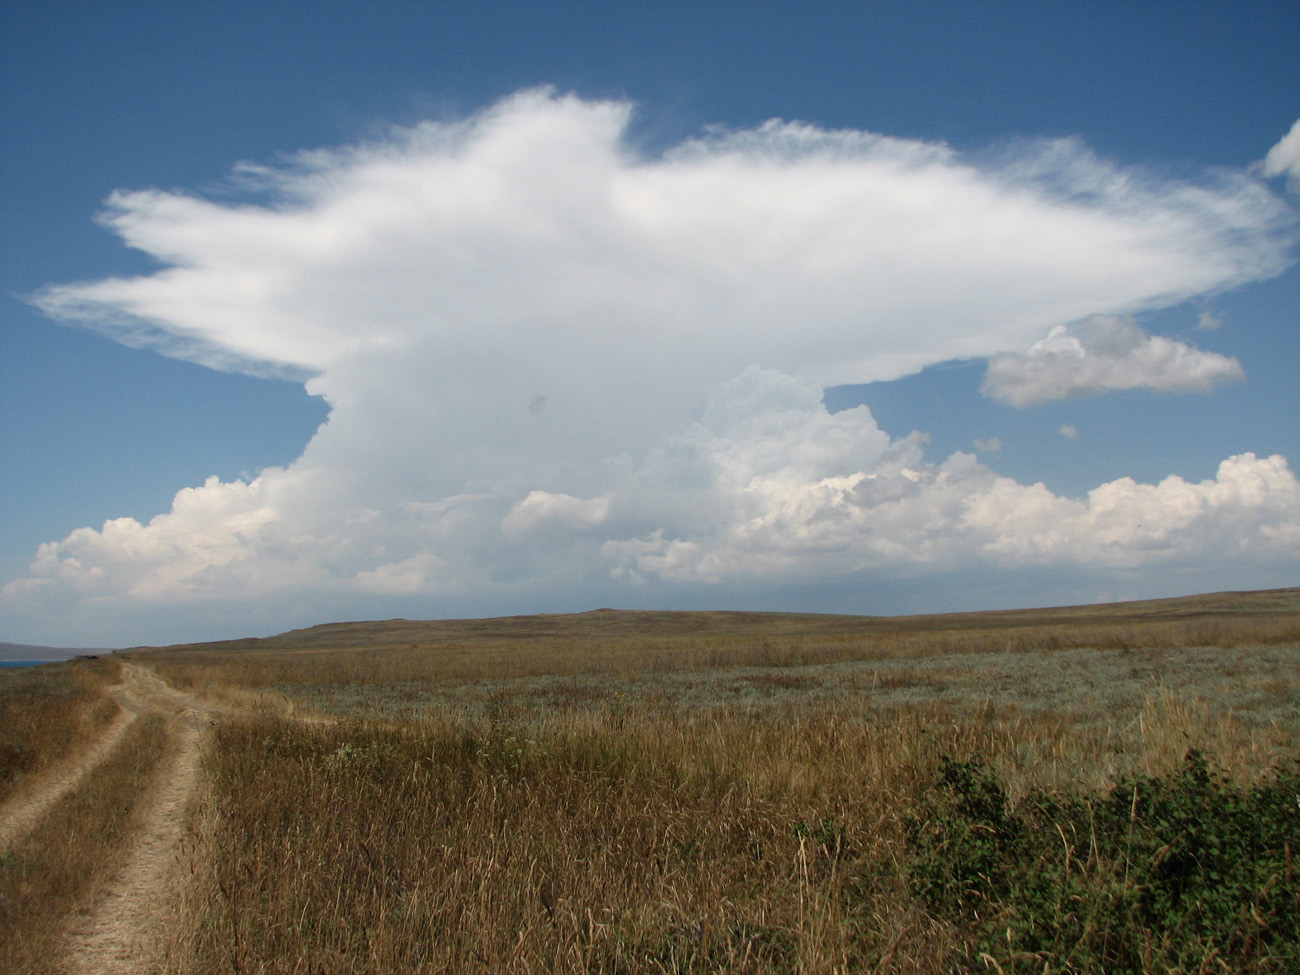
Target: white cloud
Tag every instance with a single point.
(530, 230)
(536, 343)
(991, 445)
(893, 508)
(416, 574)
(1284, 159)
(1068, 431)
(1208, 321)
(768, 488)
(1101, 354)
(542, 508)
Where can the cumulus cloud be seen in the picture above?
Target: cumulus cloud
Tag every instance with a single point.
(960, 514)
(1284, 159)
(1068, 431)
(880, 503)
(542, 508)
(1101, 354)
(538, 348)
(768, 488)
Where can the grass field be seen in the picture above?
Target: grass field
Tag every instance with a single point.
(48, 711)
(1109, 788)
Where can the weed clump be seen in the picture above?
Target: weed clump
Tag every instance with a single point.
(1162, 873)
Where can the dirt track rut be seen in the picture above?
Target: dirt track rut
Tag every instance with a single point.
(24, 811)
(131, 925)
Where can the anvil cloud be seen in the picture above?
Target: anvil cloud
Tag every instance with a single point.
(551, 358)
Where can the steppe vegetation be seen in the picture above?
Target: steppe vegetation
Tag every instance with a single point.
(49, 872)
(51, 711)
(1098, 789)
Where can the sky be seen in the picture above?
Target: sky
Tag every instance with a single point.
(327, 311)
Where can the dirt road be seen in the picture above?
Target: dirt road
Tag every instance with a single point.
(130, 923)
(132, 926)
(20, 815)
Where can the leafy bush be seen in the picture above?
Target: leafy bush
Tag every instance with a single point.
(1163, 873)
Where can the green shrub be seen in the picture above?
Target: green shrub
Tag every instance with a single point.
(1160, 874)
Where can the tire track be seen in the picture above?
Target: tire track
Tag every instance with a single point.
(24, 811)
(134, 921)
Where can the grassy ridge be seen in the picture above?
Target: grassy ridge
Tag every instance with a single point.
(1268, 615)
(767, 793)
(422, 655)
(627, 792)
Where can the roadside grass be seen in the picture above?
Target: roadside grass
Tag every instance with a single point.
(52, 711)
(51, 875)
(628, 839)
(619, 842)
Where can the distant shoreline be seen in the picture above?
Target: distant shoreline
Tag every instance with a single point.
(28, 655)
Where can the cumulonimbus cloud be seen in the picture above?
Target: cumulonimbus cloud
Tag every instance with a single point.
(768, 487)
(537, 347)
(1102, 354)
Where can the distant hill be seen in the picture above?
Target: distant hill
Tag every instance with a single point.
(26, 651)
(612, 623)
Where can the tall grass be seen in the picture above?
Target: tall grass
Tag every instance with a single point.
(620, 840)
(573, 844)
(52, 711)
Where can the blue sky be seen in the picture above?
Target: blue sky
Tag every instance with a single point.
(589, 329)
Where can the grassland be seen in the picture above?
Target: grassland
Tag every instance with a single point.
(50, 711)
(1082, 789)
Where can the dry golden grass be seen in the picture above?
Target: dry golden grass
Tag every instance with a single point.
(621, 840)
(664, 792)
(51, 874)
(614, 845)
(678, 792)
(401, 653)
(52, 711)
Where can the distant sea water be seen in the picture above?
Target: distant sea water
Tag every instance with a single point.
(29, 655)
